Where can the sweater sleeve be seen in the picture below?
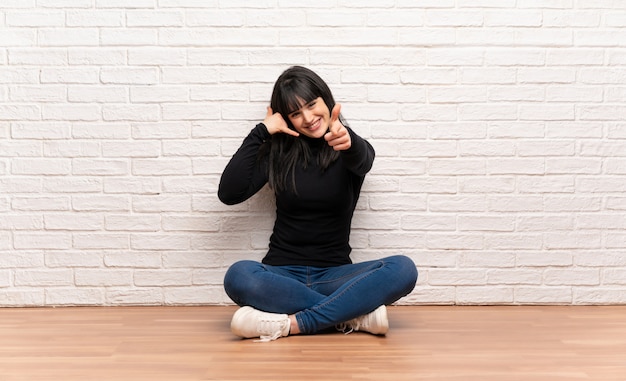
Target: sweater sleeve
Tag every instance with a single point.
(244, 174)
(359, 158)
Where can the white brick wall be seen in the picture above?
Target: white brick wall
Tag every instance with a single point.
(499, 128)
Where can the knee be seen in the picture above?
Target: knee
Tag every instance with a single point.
(405, 270)
(234, 279)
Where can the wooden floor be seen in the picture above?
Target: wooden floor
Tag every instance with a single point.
(424, 343)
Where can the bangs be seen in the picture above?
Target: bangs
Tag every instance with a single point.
(295, 93)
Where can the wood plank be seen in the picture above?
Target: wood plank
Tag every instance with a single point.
(432, 343)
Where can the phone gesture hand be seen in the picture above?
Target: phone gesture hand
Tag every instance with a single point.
(275, 123)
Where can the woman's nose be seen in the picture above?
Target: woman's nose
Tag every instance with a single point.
(308, 116)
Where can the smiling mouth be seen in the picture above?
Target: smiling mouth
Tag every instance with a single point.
(315, 125)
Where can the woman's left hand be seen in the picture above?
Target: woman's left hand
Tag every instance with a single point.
(338, 137)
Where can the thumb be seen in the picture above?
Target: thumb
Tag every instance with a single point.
(334, 116)
(270, 112)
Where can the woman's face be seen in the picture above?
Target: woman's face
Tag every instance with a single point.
(312, 119)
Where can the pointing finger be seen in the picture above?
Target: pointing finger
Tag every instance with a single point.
(334, 117)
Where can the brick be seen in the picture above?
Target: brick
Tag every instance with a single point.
(47, 203)
(513, 241)
(208, 277)
(108, 241)
(100, 167)
(515, 203)
(194, 224)
(22, 297)
(103, 203)
(161, 203)
(428, 222)
(447, 18)
(111, 37)
(134, 296)
(133, 149)
(382, 220)
(71, 149)
(161, 167)
(513, 19)
(491, 223)
(19, 112)
(72, 185)
(68, 37)
(457, 94)
(571, 240)
(160, 278)
(188, 111)
(124, 222)
(97, 18)
(151, 18)
(543, 295)
(599, 295)
(482, 148)
(103, 278)
(179, 37)
(129, 185)
(489, 184)
(109, 131)
(150, 241)
(160, 94)
(129, 75)
(49, 166)
(226, 241)
(72, 222)
(484, 295)
(15, 37)
(145, 260)
(20, 149)
(160, 130)
(38, 93)
(44, 278)
(66, 296)
(97, 94)
(137, 4)
(440, 148)
(96, 56)
(18, 76)
(22, 185)
(191, 259)
(71, 112)
(457, 167)
(194, 295)
(394, 18)
(7, 240)
(394, 240)
(69, 259)
(135, 113)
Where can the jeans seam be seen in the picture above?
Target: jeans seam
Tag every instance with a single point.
(379, 264)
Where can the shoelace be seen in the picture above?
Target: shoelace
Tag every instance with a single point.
(348, 327)
(270, 330)
(268, 338)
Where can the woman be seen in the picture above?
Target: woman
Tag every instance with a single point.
(315, 165)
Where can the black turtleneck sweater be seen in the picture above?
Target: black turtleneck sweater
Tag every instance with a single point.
(312, 227)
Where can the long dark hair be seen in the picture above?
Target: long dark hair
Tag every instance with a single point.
(293, 86)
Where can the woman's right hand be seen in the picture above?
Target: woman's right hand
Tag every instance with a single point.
(275, 123)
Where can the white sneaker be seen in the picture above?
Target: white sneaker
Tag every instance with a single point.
(375, 322)
(248, 322)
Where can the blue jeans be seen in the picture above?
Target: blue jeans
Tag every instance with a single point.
(321, 297)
